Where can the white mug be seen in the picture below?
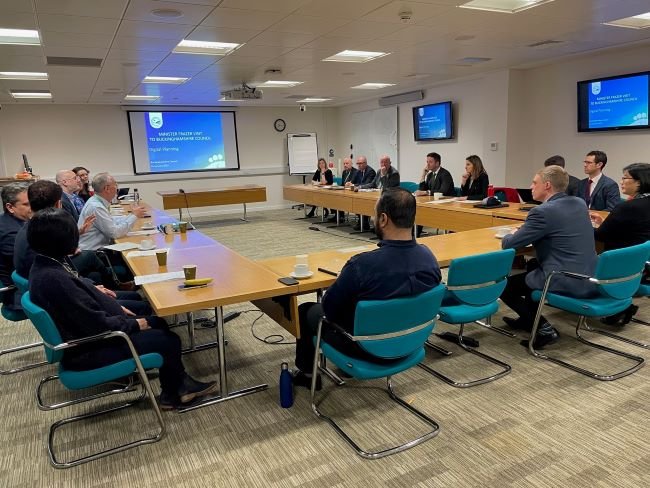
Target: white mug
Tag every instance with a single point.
(146, 243)
(437, 195)
(301, 269)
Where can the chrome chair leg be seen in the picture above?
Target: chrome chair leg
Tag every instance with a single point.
(616, 336)
(639, 321)
(505, 368)
(488, 325)
(55, 406)
(438, 348)
(18, 369)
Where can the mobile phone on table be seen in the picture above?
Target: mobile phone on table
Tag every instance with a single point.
(288, 280)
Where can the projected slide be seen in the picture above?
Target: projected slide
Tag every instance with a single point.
(432, 121)
(620, 102)
(167, 142)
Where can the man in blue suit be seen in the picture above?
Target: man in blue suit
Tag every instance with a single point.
(599, 191)
(560, 231)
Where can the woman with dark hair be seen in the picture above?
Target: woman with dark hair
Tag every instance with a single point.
(80, 310)
(475, 181)
(628, 223)
(322, 176)
(84, 176)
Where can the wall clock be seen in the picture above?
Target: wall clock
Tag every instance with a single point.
(280, 125)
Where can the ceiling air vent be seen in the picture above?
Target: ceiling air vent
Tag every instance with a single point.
(74, 62)
(473, 60)
(297, 97)
(545, 44)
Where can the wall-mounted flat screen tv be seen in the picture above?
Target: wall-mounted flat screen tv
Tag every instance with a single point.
(433, 122)
(614, 103)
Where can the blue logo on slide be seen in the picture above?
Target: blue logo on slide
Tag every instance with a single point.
(156, 119)
(595, 87)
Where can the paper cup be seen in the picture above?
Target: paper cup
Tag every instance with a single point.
(161, 256)
(189, 270)
(182, 227)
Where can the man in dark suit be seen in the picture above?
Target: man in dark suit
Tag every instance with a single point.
(386, 177)
(561, 233)
(16, 211)
(365, 174)
(435, 179)
(348, 175)
(574, 183)
(599, 191)
(70, 183)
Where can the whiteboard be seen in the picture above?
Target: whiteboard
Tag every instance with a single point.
(374, 133)
(303, 153)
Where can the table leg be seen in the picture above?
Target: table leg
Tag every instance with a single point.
(224, 394)
(180, 214)
(245, 219)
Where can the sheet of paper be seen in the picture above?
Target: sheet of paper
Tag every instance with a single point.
(123, 246)
(354, 249)
(142, 232)
(155, 278)
(438, 202)
(137, 254)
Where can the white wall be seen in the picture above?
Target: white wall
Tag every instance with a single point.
(96, 136)
(480, 110)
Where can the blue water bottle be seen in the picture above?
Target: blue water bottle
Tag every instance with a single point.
(286, 387)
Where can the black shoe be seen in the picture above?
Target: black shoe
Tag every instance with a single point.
(621, 318)
(542, 340)
(169, 402)
(192, 389)
(301, 379)
(356, 227)
(517, 323)
(310, 215)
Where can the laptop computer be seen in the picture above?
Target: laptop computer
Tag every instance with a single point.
(122, 192)
(526, 195)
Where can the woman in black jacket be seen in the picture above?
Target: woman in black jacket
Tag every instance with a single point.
(322, 176)
(475, 181)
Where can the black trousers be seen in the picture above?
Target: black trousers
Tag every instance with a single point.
(309, 315)
(517, 295)
(158, 339)
(134, 302)
(90, 266)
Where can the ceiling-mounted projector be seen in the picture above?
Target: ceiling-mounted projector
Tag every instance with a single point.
(243, 92)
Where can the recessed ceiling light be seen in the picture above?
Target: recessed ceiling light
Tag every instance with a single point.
(30, 94)
(504, 6)
(142, 97)
(279, 84)
(22, 75)
(641, 21)
(373, 86)
(166, 13)
(24, 37)
(355, 56)
(313, 100)
(188, 46)
(171, 80)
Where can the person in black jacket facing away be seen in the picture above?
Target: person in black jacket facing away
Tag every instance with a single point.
(80, 310)
(475, 181)
(574, 183)
(322, 176)
(628, 223)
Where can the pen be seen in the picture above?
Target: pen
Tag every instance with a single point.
(327, 271)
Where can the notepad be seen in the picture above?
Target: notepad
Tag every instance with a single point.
(142, 233)
(137, 254)
(123, 246)
(157, 277)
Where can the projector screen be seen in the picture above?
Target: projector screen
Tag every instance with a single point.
(433, 122)
(182, 141)
(615, 103)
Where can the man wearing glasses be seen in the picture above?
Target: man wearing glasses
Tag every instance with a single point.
(599, 191)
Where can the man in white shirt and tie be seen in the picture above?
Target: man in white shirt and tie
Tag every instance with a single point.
(599, 191)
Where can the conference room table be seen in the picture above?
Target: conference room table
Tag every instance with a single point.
(236, 279)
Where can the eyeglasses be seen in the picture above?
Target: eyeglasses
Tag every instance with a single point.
(626, 178)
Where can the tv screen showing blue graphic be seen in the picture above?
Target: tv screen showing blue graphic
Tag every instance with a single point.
(615, 103)
(180, 141)
(433, 122)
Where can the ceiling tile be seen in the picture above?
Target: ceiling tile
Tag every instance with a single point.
(364, 29)
(340, 8)
(154, 30)
(17, 20)
(144, 43)
(74, 24)
(221, 34)
(265, 5)
(283, 39)
(419, 12)
(15, 6)
(62, 39)
(241, 19)
(83, 8)
(308, 25)
(192, 14)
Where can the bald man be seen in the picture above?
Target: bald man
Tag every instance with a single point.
(347, 177)
(70, 183)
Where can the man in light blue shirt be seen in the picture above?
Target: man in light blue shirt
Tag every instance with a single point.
(106, 228)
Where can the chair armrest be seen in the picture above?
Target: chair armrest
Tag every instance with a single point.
(7, 288)
(339, 329)
(577, 276)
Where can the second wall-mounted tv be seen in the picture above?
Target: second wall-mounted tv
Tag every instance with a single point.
(433, 122)
(614, 103)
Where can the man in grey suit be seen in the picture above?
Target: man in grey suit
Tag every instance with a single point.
(599, 191)
(561, 233)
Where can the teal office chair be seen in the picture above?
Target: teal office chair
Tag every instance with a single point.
(474, 285)
(338, 180)
(643, 291)
(77, 380)
(409, 186)
(393, 330)
(617, 276)
(14, 315)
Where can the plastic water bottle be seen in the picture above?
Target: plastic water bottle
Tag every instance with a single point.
(286, 387)
(136, 195)
(490, 192)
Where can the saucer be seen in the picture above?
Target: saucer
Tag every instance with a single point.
(150, 248)
(301, 277)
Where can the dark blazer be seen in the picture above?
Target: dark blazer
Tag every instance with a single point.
(329, 177)
(476, 189)
(573, 189)
(627, 225)
(605, 196)
(348, 175)
(389, 180)
(9, 227)
(69, 207)
(560, 231)
(442, 183)
(364, 177)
